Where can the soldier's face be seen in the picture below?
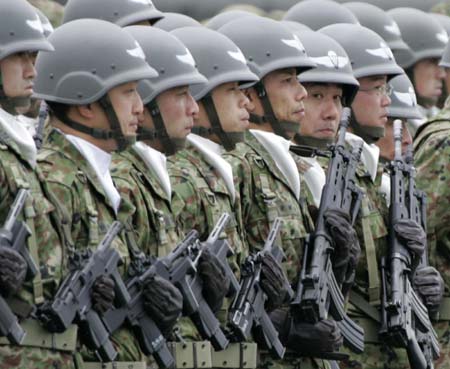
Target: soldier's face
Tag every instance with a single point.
(370, 104)
(428, 78)
(177, 108)
(17, 71)
(230, 103)
(386, 144)
(286, 95)
(128, 106)
(323, 108)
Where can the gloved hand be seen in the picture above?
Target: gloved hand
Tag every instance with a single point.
(13, 270)
(273, 282)
(412, 235)
(313, 339)
(103, 294)
(215, 281)
(347, 250)
(430, 286)
(163, 302)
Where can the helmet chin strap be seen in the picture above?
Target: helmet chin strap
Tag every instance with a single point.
(314, 142)
(227, 139)
(283, 128)
(102, 134)
(169, 145)
(12, 104)
(369, 134)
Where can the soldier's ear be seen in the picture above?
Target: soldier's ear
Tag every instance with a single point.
(251, 96)
(85, 111)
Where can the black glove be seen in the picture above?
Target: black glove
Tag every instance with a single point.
(163, 302)
(273, 282)
(347, 250)
(216, 283)
(103, 294)
(412, 235)
(13, 270)
(304, 338)
(430, 286)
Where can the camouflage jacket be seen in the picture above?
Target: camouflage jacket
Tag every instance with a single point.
(432, 160)
(87, 214)
(201, 197)
(44, 246)
(264, 195)
(153, 220)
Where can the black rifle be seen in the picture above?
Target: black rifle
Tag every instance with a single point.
(42, 116)
(73, 304)
(405, 319)
(14, 234)
(247, 313)
(150, 338)
(318, 293)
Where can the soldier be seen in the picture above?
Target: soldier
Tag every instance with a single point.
(22, 36)
(426, 39)
(266, 178)
(373, 65)
(431, 148)
(123, 13)
(319, 13)
(202, 179)
(91, 90)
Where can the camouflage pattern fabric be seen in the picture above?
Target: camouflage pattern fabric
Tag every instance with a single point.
(201, 197)
(432, 160)
(15, 173)
(153, 220)
(265, 195)
(74, 183)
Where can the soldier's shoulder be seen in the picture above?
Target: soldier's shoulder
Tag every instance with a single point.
(56, 167)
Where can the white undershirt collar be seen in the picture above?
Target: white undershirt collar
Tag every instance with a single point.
(369, 156)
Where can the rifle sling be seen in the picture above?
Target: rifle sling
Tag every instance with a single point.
(371, 255)
(444, 309)
(361, 303)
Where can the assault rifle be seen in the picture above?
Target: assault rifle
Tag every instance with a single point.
(14, 234)
(150, 338)
(405, 319)
(73, 304)
(247, 313)
(318, 293)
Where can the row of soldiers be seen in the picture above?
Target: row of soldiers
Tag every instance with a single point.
(166, 128)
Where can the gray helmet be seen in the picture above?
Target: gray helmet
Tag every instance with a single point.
(369, 56)
(295, 26)
(21, 29)
(404, 100)
(46, 25)
(121, 12)
(173, 21)
(221, 61)
(268, 46)
(223, 18)
(422, 33)
(80, 72)
(444, 21)
(176, 68)
(319, 13)
(333, 64)
(381, 22)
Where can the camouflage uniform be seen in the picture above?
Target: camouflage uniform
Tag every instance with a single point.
(153, 221)
(88, 212)
(45, 247)
(201, 197)
(264, 195)
(432, 158)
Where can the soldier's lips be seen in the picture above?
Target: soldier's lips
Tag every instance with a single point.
(300, 112)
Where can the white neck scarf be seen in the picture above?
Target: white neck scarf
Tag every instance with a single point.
(212, 153)
(157, 162)
(17, 132)
(315, 179)
(100, 161)
(278, 148)
(385, 188)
